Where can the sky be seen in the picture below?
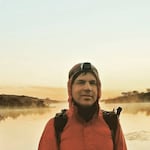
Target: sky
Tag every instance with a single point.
(41, 40)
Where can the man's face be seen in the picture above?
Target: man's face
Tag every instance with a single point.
(84, 89)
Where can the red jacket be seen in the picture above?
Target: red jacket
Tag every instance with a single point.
(80, 135)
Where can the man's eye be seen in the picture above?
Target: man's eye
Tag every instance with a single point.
(93, 82)
(80, 82)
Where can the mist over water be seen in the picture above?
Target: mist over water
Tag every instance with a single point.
(136, 108)
(130, 108)
(21, 129)
(15, 113)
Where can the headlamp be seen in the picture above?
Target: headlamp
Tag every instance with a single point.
(86, 67)
(82, 67)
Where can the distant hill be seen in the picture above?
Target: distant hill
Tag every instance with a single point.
(23, 101)
(130, 97)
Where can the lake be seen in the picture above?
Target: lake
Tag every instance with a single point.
(21, 129)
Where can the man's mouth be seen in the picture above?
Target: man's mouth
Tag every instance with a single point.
(86, 95)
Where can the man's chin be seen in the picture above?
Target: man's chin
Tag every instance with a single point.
(84, 102)
(87, 103)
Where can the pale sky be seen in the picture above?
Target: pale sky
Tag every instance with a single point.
(40, 40)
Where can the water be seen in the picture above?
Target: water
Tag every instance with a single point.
(21, 129)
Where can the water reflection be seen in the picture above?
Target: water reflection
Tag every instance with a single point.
(23, 127)
(139, 135)
(16, 112)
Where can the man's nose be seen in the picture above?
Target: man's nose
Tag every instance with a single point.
(87, 86)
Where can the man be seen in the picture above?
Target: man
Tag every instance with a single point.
(85, 128)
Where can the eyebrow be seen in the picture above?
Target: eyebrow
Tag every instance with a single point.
(93, 80)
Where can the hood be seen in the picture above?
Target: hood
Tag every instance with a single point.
(75, 72)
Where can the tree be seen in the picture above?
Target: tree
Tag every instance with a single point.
(148, 90)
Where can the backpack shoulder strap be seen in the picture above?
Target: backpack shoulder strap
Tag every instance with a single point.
(111, 118)
(60, 121)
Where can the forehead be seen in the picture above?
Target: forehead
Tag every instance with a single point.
(86, 76)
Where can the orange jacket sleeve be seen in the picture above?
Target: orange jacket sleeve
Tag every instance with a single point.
(47, 141)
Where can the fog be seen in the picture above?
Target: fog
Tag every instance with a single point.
(130, 108)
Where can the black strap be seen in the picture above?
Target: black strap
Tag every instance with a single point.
(111, 118)
(60, 121)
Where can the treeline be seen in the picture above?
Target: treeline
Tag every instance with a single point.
(131, 96)
(21, 101)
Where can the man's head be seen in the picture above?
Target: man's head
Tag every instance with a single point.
(84, 85)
